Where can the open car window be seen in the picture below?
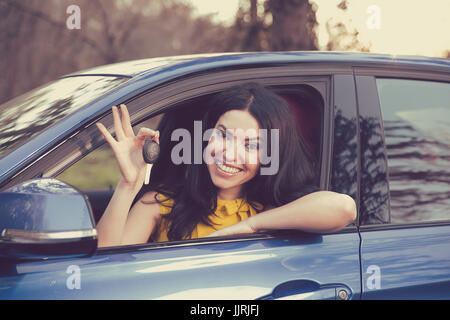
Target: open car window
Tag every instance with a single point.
(97, 173)
(99, 170)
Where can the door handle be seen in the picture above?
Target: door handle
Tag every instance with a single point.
(308, 290)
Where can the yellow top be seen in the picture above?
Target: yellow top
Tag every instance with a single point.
(228, 212)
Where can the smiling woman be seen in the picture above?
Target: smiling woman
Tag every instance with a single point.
(227, 193)
(231, 167)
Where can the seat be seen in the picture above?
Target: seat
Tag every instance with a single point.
(307, 109)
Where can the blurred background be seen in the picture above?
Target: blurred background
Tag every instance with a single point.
(37, 46)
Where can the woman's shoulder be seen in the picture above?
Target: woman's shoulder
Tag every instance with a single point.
(149, 197)
(156, 198)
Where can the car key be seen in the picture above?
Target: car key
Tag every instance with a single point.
(150, 152)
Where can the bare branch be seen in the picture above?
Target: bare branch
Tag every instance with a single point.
(57, 24)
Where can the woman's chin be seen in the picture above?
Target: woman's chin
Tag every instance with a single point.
(225, 180)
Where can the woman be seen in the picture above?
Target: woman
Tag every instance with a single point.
(227, 193)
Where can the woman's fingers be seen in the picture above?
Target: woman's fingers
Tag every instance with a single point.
(146, 132)
(108, 137)
(123, 128)
(126, 122)
(117, 124)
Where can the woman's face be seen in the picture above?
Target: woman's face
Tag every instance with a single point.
(234, 152)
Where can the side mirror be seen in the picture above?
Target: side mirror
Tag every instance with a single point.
(45, 218)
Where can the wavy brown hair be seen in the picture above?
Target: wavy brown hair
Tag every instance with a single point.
(190, 185)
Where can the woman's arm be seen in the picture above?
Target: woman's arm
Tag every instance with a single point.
(318, 212)
(112, 223)
(121, 226)
(127, 149)
(142, 220)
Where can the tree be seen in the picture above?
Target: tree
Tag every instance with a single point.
(275, 25)
(36, 46)
(340, 39)
(293, 25)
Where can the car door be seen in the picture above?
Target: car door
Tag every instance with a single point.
(279, 265)
(405, 184)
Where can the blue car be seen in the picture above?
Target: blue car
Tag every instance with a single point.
(378, 125)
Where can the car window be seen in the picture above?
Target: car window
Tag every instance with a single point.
(31, 113)
(99, 169)
(416, 119)
(305, 102)
(97, 173)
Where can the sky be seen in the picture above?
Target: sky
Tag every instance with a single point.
(413, 27)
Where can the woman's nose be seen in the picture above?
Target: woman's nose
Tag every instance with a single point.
(234, 152)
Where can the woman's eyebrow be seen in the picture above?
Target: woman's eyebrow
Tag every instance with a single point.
(221, 126)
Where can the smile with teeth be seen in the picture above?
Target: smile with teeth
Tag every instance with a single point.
(227, 169)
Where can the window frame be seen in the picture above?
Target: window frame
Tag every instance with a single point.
(405, 73)
(162, 99)
(345, 106)
(156, 101)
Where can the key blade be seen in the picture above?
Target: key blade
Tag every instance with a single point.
(148, 171)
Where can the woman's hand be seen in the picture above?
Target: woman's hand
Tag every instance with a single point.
(127, 147)
(243, 227)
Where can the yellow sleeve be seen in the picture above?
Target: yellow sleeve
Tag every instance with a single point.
(166, 205)
(257, 207)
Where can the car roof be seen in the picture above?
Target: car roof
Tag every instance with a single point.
(140, 67)
(134, 68)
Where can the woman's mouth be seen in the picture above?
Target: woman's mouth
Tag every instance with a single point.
(227, 170)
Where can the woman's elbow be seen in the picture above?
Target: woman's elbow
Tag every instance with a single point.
(349, 212)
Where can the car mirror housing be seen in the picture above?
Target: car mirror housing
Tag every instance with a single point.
(43, 219)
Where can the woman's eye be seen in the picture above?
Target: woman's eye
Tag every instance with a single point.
(252, 146)
(219, 133)
(228, 135)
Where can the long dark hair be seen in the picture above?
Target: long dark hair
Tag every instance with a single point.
(190, 185)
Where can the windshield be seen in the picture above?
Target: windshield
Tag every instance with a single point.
(29, 114)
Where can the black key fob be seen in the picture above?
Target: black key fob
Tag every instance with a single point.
(150, 151)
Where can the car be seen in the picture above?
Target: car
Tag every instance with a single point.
(377, 124)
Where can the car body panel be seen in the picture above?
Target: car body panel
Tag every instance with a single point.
(229, 270)
(412, 263)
